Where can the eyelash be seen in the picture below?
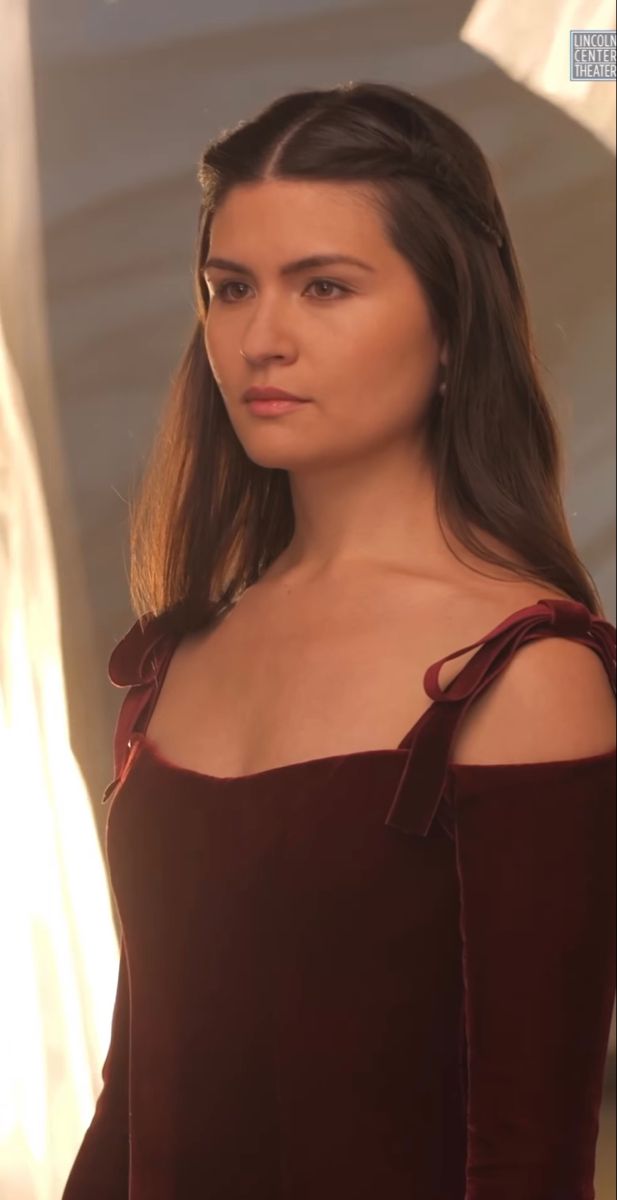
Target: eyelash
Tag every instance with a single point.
(220, 291)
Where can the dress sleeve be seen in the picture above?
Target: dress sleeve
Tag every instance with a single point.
(535, 857)
(100, 1170)
(535, 853)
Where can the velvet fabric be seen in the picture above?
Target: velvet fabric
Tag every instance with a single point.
(375, 975)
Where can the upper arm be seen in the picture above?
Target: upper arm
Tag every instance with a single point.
(536, 868)
(552, 701)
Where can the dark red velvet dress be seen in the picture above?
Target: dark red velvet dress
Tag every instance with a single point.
(371, 976)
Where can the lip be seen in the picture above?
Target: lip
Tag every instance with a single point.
(272, 394)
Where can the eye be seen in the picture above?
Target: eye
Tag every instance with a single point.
(331, 284)
(222, 292)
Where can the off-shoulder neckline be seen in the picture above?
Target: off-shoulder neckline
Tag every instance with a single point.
(141, 744)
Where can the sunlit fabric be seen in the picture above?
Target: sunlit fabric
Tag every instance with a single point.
(58, 948)
(531, 42)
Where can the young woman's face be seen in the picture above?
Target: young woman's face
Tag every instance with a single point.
(357, 340)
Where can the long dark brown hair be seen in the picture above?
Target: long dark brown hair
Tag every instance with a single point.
(207, 520)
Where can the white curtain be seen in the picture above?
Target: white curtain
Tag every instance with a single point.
(58, 948)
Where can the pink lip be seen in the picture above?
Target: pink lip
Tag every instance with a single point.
(272, 393)
(274, 407)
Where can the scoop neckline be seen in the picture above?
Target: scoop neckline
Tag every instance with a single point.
(141, 744)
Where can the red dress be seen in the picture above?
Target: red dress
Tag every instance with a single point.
(371, 976)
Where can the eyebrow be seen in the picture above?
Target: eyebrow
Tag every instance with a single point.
(291, 268)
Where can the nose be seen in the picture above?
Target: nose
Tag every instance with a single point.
(255, 359)
(265, 338)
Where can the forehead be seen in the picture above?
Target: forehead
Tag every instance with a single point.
(295, 217)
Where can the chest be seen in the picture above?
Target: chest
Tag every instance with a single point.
(254, 697)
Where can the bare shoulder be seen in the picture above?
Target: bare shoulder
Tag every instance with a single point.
(553, 701)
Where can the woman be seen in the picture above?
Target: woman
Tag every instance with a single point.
(367, 940)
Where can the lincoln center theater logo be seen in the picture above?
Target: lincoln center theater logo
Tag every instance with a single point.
(592, 54)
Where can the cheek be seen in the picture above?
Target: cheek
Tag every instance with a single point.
(211, 340)
(217, 353)
(388, 376)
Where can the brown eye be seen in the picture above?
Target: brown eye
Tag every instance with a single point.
(329, 283)
(221, 291)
